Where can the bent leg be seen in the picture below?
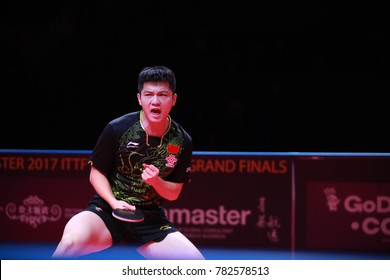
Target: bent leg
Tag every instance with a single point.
(175, 247)
(83, 234)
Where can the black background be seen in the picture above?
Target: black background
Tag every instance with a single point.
(252, 75)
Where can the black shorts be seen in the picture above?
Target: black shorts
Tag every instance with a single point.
(155, 227)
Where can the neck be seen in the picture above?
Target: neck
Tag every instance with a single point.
(155, 129)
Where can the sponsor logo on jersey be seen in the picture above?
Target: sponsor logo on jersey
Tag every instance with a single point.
(132, 145)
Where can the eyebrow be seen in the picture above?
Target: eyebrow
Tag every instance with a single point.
(160, 91)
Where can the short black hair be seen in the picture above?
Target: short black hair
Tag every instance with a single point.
(157, 73)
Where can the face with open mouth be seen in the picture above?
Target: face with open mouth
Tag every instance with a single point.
(156, 100)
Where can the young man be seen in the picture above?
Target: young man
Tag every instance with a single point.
(140, 159)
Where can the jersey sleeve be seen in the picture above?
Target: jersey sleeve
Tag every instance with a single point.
(103, 154)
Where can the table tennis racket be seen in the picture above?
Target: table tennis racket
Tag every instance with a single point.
(127, 215)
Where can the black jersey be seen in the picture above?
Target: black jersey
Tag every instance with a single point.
(121, 150)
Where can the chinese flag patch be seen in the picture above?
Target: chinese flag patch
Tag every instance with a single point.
(173, 149)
